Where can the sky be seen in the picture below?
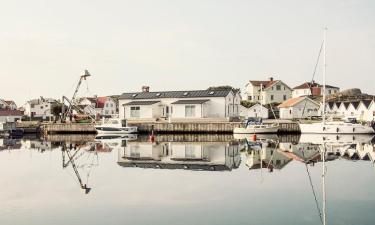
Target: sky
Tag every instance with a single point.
(45, 45)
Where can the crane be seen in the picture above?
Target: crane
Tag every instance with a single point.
(71, 102)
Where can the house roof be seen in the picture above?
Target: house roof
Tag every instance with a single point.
(175, 94)
(367, 103)
(9, 102)
(294, 101)
(141, 103)
(100, 101)
(307, 85)
(256, 105)
(355, 104)
(11, 113)
(330, 105)
(191, 101)
(266, 84)
(346, 104)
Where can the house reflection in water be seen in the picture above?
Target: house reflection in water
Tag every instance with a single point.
(10, 144)
(266, 155)
(271, 155)
(212, 156)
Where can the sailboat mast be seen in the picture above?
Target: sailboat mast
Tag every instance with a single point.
(323, 183)
(324, 75)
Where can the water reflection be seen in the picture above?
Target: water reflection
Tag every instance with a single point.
(212, 156)
(196, 174)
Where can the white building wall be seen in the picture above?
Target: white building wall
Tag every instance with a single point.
(39, 110)
(254, 111)
(301, 92)
(110, 107)
(298, 112)
(179, 111)
(278, 95)
(9, 118)
(216, 107)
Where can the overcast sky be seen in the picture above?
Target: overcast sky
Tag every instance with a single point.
(175, 45)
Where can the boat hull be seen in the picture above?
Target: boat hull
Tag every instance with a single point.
(256, 130)
(320, 128)
(115, 130)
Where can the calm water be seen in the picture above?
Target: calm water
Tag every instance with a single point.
(186, 180)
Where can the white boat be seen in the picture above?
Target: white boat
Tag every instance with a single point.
(338, 127)
(332, 127)
(115, 126)
(257, 129)
(330, 139)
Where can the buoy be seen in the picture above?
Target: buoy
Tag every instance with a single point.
(254, 137)
(152, 136)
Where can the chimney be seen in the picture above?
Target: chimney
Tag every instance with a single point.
(145, 88)
(271, 78)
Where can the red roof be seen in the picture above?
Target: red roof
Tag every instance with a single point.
(11, 113)
(100, 102)
(291, 102)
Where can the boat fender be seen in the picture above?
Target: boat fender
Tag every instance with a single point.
(254, 137)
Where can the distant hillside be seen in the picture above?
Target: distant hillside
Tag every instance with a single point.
(349, 95)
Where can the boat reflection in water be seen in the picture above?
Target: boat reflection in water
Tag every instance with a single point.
(188, 155)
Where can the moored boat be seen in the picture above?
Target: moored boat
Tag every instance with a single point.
(115, 126)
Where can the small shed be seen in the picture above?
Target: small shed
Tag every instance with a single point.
(257, 111)
(298, 108)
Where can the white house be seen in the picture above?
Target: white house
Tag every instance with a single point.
(7, 104)
(197, 104)
(313, 89)
(256, 110)
(363, 110)
(7, 115)
(99, 106)
(39, 108)
(271, 91)
(298, 108)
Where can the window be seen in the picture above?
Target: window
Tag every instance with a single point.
(106, 104)
(106, 112)
(284, 97)
(189, 110)
(278, 87)
(190, 152)
(249, 98)
(329, 91)
(258, 97)
(111, 104)
(290, 111)
(271, 97)
(135, 111)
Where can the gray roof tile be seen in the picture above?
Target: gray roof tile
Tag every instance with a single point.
(175, 94)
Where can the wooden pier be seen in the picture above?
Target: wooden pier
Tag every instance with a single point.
(163, 127)
(67, 128)
(204, 128)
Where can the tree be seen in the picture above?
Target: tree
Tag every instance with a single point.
(56, 109)
(223, 88)
(247, 104)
